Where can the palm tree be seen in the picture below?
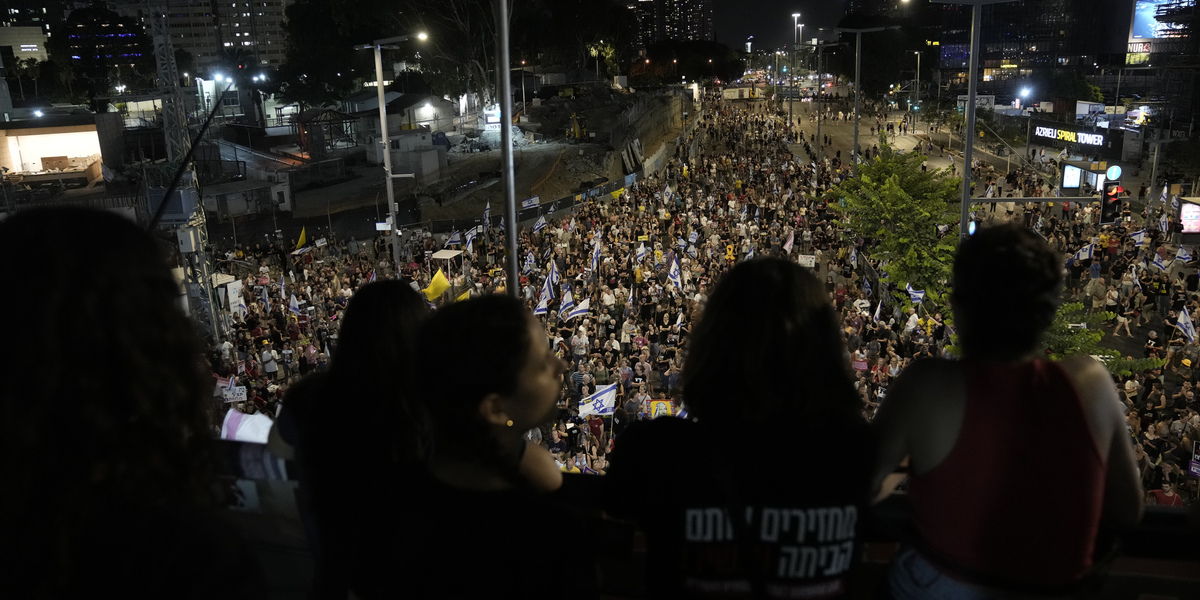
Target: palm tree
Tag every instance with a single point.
(33, 68)
(19, 70)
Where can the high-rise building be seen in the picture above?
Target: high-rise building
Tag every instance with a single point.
(241, 31)
(31, 13)
(660, 20)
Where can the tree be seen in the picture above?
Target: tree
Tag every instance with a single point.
(1066, 337)
(33, 69)
(908, 217)
(18, 70)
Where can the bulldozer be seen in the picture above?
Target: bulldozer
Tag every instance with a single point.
(576, 128)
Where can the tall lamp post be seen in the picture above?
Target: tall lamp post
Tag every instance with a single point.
(386, 147)
(1028, 121)
(858, 73)
(917, 92)
(792, 77)
(972, 87)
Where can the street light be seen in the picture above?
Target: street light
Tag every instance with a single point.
(792, 77)
(858, 72)
(1028, 123)
(378, 46)
(972, 87)
(917, 91)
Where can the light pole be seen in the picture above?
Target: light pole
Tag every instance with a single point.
(500, 9)
(1028, 122)
(917, 91)
(792, 77)
(972, 87)
(386, 147)
(858, 74)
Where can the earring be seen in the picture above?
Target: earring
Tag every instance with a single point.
(510, 422)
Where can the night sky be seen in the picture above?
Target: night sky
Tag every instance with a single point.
(770, 21)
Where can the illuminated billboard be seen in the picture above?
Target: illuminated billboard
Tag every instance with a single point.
(1145, 22)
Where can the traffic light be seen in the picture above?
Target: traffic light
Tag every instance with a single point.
(1110, 202)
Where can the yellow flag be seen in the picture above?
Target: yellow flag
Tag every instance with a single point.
(437, 287)
(303, 238)
(617, 194)
(463, 296)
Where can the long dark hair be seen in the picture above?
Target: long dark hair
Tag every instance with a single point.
(767, 347)
(469, 350)
(375, 358)
(101, 387)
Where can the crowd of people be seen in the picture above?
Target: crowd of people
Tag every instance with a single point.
(682, 295)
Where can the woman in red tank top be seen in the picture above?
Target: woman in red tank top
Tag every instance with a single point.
(991, 519)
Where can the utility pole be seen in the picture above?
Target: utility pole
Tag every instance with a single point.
(792, 76)
(858, 72)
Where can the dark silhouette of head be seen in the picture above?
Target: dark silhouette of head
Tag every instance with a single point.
(767, 347)
(102, 394)
(375, 357)
(1007, 283)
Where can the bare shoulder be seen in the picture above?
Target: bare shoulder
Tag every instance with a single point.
(1092, 380)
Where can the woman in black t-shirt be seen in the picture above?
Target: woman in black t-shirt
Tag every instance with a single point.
(727, 522)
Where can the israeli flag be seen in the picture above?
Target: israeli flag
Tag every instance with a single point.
(571, 225)
(602, 403)
(530, 202)
(1085, 253)
(745, 212)
(596, 257)
(266, 299)
(679, 320)
(567, 303)
(501, 222)
(866, 287)
(1138, 237)
(991, 191)
(1163, 196)
(1182, 254)
(580, 310)
(1158, 262)
(1186, 326)
(854, 256)
(916, 296)
(546, 253)
(552, 273)
(641, 252)
(541, 307)
(550, 210)
(470, 240)
(877, 309)
(372, 278)
(454, 240)
(787, 245)
(692, 237)
(547, 292)
(630, 301)
(667, 194)
(1175, 202)
(757, 212)
(1164, 223)
(691, 251)
(487, 214)
(281, 286)
(673, 274)
(529, 262)
(682, 243)
(750, 254)
(294, 305)
(540, 224)
(1063, 155)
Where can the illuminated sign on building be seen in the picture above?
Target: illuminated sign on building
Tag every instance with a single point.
(1072, 137)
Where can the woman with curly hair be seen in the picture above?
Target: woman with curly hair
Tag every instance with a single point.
(104, 435)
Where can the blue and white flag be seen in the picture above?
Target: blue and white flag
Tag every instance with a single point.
(530, 202)
(1175, 202)
(745, 212)
(1085, 253)
(1158, 262)
(602, 403)
(550, 210)
(571, 225)
(691, 251)
(757, 212)
(682, 243)
(692, 237)
(1164, 223)
(541, 308)
(629, 303)
(294, 305)
(266, 299)
(529, 262)
(878, 307)
(1182, 254)
(991, 191)
(866, 287)
(547, 292)
(1138, 237)
(679, 319)
(371, 279)
(501, 222)
(580, 310)
(552, 273)
(641, 252)
(750, 254)
(854, 256)
(1186, 326)
(547, 252)
(567, 303)
(282, 288)
(673, 274)
(667, 194)
(470, 240)
(540, 224)
(915, 296)
(455, 239)
(487, 214)
(1162, 198)
(596, 258)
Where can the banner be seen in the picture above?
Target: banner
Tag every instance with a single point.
(242, 427)
(807, 260)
